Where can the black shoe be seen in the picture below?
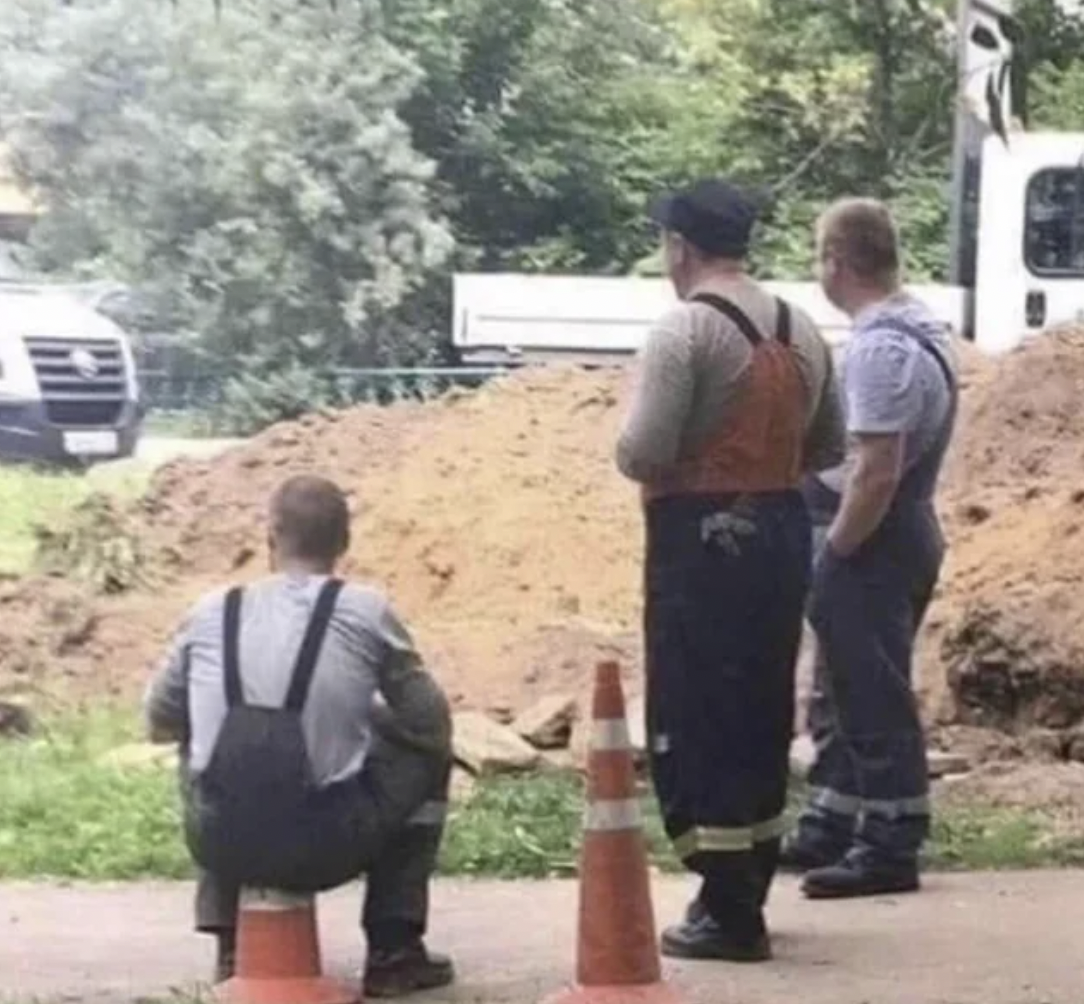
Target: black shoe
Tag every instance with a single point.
(397, 973)
(797, 858)
(226, 962)
(852, 877)
(703, 938)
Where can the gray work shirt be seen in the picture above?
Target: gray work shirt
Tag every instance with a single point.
(366, 651)
(890, 383)
(693, 369)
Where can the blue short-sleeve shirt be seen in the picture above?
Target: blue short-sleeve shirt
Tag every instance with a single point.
(890, 383)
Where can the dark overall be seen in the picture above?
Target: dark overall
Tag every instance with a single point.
(869, 779)
(727, 572)
(386, 823)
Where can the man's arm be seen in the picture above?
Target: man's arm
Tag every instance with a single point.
(882, 398)
(650, 442)
(869, 491)
(826, 440)
(165, 704)
(417, 709)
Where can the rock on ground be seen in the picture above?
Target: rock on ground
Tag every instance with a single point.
(485, 747)
(548, 723)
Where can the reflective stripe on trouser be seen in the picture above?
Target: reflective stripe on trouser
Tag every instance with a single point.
(722, 626)
(869, 778)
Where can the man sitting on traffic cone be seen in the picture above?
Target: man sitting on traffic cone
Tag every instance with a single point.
(315, 747)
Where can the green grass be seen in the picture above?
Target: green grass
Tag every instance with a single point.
(64, 814)
(29, 496)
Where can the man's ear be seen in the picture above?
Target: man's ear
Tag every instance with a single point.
(676, 248)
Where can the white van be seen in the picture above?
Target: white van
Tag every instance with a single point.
(1017, 258)
(68, 388)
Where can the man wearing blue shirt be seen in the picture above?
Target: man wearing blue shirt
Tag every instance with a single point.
(878, 561)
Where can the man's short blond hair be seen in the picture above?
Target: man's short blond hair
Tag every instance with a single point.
(862, 235)
(310, 518)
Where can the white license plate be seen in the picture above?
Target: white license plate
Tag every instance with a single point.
(99, 443)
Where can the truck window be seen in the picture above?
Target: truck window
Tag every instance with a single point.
(1054, 222)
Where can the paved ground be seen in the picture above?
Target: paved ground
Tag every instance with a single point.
(1008, 939)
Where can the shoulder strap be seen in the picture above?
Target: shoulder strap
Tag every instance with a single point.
(924, 343)
(946, 370)
(305, 667)
(734, 313)
(783, 322)
(231, 636)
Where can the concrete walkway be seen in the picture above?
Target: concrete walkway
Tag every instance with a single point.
(997, 939)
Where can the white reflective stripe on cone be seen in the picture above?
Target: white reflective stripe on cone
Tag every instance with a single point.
(429, 814)
(608, 816)
(274, 899)
(610, 734)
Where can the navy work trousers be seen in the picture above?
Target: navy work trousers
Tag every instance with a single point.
(726, 581)
(869, 779)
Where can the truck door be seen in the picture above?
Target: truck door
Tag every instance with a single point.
(1030, 271)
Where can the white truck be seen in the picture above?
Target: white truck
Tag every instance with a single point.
(1017, 255)
(69, 394)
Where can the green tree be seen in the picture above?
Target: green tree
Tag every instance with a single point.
(251, 169)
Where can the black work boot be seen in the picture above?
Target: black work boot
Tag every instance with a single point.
(226, 961)
(394, 973)
(797, 857)
(856, 876)
(701, 937)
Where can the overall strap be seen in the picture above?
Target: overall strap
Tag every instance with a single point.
(893, 324)
(311, 644)
(742, 321)
(734, 313)
(783, 322)
(231, 663)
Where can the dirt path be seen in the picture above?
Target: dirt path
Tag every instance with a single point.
(1004, 939)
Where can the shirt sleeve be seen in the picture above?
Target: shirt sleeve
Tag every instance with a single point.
(650, 441)
(882, 386)
(165, 704)
(421, 714)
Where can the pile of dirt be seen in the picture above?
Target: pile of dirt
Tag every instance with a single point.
(498, 524)
(1010, 618)
(495, 519)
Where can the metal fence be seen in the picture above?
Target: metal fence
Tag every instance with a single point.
(169, 392)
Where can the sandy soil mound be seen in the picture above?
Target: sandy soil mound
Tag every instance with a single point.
(1012, 605)
(495, 519)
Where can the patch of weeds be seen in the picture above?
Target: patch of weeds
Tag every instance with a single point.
(31, 497)
(65, 814)
(68, 812)
(515, 828)
(95, 543)
(990, 839)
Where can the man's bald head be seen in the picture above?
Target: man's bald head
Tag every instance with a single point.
(310, 521)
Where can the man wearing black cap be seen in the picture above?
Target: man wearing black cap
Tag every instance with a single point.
(734, 401)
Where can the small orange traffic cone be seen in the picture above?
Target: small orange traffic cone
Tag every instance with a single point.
(617, 954)
(278, 954)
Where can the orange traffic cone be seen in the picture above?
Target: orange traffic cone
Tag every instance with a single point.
(278, 954)
(617, 955)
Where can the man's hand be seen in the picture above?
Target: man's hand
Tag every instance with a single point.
(159, 736)
(868, 493)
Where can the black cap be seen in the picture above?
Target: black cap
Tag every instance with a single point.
(714, 216)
